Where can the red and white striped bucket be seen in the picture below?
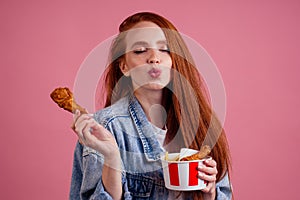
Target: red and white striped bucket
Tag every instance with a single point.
(182, 175)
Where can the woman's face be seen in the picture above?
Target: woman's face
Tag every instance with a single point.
(147, 60)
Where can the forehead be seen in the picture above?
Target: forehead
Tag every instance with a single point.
(146, 32)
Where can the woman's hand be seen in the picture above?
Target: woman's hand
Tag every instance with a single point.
(95, 136)
(208, 172)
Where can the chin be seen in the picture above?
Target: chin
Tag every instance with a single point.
(151, 85)
(155, 86)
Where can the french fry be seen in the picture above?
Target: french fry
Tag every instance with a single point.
(177, 157)
(167, 156)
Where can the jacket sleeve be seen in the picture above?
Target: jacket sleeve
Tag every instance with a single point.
(86, 183)
(223, 189)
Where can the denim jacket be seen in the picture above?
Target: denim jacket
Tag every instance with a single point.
(142, 176)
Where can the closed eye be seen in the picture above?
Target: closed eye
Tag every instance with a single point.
(143, 50)
(140, 50)
(165, 50)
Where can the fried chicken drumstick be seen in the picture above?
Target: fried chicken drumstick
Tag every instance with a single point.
(204, 151)
(64, 99)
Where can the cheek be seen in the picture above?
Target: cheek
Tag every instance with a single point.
(167, 61)
(134, 62)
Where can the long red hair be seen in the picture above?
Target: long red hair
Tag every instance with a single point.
(190, 117)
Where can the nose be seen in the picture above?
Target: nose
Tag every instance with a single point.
(153, 57)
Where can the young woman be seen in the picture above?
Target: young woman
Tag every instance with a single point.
(154, 103)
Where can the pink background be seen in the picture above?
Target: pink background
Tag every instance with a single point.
(255, 44)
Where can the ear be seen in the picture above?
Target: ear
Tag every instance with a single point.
(124, 69)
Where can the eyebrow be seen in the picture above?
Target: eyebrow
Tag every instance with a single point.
(144, 43)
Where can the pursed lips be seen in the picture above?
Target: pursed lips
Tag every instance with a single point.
(154, 73)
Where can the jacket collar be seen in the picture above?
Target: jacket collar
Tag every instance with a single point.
(151, 147)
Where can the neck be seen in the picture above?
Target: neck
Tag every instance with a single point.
(151, 103)
(148, 98)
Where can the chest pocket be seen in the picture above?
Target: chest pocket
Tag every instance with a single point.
(139, 186)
